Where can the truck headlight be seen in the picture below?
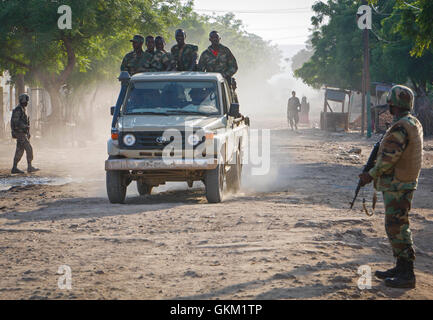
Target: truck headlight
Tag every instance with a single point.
(129, 140)
(194, 140)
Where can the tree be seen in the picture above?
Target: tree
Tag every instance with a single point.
(337, 45)
(37, 48)
(252, 52)
(302, 57)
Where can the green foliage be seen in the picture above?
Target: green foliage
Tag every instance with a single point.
(337, 44)
(32, 44)
(251, 51)
(300, 58)
(397, 52)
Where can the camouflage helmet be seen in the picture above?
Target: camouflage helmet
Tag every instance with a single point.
(401, 97)
(23, 98)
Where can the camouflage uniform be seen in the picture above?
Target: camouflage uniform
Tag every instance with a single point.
(293, 106)
(162, 61)
(397, 195)
(20, 125)
(221, 61)
(185, 59)
(136, 62)
(400, 154)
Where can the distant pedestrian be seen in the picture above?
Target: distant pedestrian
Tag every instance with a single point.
(305, 110)
(293, 108)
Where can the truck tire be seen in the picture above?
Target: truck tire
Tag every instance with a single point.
(234, 175)
(116, 186)
(214, 182)
(143, 188)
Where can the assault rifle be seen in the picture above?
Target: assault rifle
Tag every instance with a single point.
(370, 164)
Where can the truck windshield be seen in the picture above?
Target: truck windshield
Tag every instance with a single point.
(172, 97)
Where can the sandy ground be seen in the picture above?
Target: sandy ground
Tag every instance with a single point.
(287, 235)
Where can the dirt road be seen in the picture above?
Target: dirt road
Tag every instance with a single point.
(287, 235)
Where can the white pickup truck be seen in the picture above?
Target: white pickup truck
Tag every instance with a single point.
(175, 126)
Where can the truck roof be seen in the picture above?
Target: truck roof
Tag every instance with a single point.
(173, 75)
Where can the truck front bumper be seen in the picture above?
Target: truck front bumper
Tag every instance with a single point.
(159, 164)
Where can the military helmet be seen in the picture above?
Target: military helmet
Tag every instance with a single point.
(23, 98)
(401, 97)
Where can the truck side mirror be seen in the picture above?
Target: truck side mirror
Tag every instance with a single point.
(234, 110)
(124, 77)
(112, 109)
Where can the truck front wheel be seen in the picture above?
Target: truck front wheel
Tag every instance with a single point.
(116, 186)
(214, 182)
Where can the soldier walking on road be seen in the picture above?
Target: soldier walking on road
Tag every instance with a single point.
(293, 108)
(396, 173)
(218, 58)
(184, 55)
(20, 125)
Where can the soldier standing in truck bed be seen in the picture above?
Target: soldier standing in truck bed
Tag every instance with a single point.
(218, 58)
(133, 61)
(184, 55)
(162, 60)
(20, 125)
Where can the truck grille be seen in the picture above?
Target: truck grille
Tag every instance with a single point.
(147, 140)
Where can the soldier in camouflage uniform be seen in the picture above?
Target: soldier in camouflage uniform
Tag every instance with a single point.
(162, 60)
(218, 58)
(133, 62)
(149, 55)
(20, 125)
(184, 55)
(396, 173)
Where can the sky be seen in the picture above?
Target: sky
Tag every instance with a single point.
(284, 22)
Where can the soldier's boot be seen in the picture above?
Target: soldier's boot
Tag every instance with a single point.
(31, 169)
(390, 272)
(15, 168)
(405, 278)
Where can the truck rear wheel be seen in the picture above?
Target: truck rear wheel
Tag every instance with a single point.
(143, 188)
(214, 182)
(234, 175)
(116, 186)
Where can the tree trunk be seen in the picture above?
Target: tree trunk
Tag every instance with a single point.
(424, 112)
(19, 86)
(55, 125)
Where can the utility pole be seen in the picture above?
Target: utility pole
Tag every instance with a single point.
(367, 80)
(366, 96)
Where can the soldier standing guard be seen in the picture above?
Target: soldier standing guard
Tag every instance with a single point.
(184, 55)
(218, 58)
(20, 125)
(396, 174)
